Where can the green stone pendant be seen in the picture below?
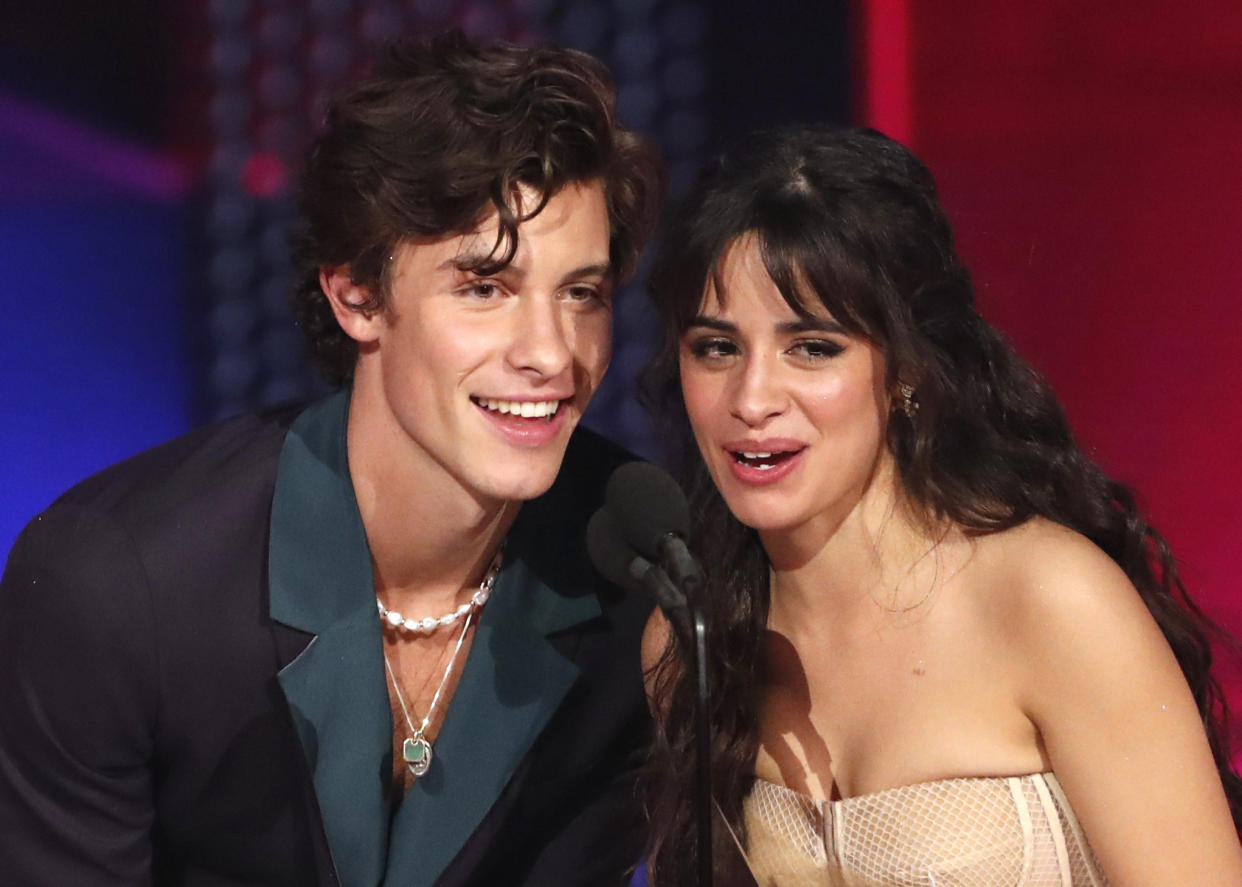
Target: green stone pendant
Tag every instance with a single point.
(417, 753)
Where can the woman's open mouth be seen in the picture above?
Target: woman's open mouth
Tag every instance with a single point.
(765, 463)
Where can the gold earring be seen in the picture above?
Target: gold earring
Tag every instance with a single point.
(908, 405)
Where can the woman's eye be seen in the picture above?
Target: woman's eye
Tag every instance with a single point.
(712, 348)
(816, 349)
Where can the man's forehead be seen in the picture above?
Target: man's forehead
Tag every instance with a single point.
(576, 213)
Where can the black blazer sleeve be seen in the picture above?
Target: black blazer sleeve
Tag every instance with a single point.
(77, 704)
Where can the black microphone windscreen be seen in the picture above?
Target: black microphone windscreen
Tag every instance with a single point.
(647, 505)
(608, 551)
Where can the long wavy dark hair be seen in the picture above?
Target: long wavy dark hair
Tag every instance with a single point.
(853, 217)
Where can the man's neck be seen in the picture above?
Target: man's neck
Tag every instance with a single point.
(429, 536)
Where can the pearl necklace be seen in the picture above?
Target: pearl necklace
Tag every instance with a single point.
(416, 750)
(429, 624)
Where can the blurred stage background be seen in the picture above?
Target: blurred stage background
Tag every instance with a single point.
(1087, 154)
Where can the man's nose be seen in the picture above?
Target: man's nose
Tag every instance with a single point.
(539, 345)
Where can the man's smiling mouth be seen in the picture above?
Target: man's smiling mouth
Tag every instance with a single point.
(524, 409)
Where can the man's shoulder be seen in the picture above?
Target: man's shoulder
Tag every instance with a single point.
(235, 452)
(141, 522)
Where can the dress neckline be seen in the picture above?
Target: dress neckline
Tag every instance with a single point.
(1046, 775)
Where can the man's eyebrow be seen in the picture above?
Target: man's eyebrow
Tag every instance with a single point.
(598, 269)
(469, 261)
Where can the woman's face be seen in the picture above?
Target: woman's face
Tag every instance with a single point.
(788, 413)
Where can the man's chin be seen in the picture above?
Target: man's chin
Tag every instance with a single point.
(520, 491)
(519, 480)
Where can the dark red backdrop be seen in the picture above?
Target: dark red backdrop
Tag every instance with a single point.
(1090, 155)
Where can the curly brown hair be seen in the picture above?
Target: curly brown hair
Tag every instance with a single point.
(439, 137)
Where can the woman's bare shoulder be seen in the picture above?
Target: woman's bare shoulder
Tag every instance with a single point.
(1097, 678)
(1068, 613)
(1041, 573)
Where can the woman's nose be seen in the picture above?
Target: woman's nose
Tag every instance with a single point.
(757, 395)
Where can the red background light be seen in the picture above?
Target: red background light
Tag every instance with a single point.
(1087, 154)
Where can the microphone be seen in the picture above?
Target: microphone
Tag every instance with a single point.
(623, 566)
(653, 517)
(637, 535)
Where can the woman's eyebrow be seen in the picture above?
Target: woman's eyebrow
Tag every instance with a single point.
(712, 323)
(801, 325)
(812, 325)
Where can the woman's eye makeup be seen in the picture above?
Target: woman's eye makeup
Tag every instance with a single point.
(805, 350)
(712, 347)
(816, 349)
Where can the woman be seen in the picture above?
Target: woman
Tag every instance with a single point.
(947, 649)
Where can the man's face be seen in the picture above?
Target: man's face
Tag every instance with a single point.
(483, 378)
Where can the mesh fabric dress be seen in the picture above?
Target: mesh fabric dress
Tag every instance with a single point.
(1014, 831)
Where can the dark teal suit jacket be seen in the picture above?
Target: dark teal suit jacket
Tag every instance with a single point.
(192, 687)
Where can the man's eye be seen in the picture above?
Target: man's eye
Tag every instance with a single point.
(481, 289)
(584, 294)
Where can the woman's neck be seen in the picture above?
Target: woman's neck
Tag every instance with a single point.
(880, 551)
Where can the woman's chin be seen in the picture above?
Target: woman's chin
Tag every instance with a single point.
(764, 517)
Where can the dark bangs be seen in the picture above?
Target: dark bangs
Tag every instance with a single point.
(815, 241)
(820, 267)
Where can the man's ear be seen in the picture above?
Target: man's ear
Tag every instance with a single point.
(346, 297)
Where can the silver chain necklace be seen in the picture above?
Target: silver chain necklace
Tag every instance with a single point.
(416, 750)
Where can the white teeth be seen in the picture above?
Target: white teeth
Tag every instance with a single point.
(527, 409)
(759, 460)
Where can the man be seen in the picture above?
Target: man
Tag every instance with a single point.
(328, 646)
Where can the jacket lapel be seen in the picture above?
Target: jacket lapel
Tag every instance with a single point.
(319, 570)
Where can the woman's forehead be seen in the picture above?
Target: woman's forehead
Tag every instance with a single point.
(741, 271)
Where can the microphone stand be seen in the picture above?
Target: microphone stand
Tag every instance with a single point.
(616, 558)
(703, 749)
(690, 627)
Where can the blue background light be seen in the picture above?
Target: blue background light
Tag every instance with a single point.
(92, 344)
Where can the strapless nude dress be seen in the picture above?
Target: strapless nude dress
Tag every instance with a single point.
(1015, 831)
